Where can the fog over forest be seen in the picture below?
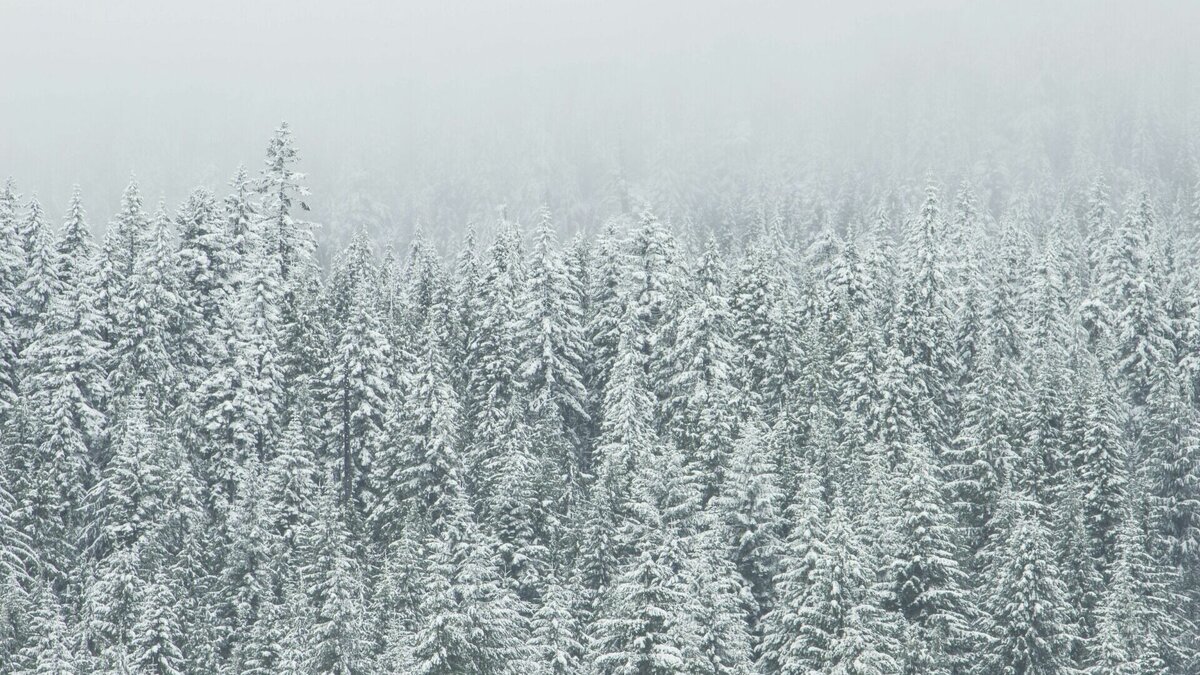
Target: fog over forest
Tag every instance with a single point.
(439, 113)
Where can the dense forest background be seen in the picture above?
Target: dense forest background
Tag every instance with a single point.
(616, 338)
(893, 431)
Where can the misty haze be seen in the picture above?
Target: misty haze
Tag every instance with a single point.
(616, 338)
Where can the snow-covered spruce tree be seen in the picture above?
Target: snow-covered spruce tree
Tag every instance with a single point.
(77, 272)
(52, 646)
(17, 555)
(852, 284)
(145, 317)
(722, 608)
(125, 241)
(840, 624)
(1053, 342)
(204, 263)
(354, 389)
(469, 622)
(551, 335)
(1101, 458)
(1003, 328)
(1081, 575)
(293, 244)
(463, 310)
(653, 270)
(339, 635)
(604, 323)
(700, 404)
(929, 586)
(254, 380)
(281, 188)
(494, 357)
(146, 516)
(923, 330)
(760, 333)
(520, 513)
(783, 642)
(1028, 622)
(1138, 617)
(750, 506)
(158, 631)
(39, 281)
(894, 419)
(644, 625)
(291, 487)
(626, 428)
(202, 332)
(422, 464)
(64, 427)
(1170, 466)
(249, 573)
(970, 297)
(986, 456)
(1140, 330)
(555, 634)
(422, 281)
(65, 385)
(12, 268)
(239, 212)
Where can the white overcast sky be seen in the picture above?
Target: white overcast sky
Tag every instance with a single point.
(180, 92)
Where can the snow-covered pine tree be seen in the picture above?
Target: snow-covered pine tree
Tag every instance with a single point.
(249, 574)
(626, 428)
(784, 627)
(240, 212)
(760, 334)
(125, 241)
(1053, 342)
(1081, 575)
(986, 456)
(722, 608)
(1170, 466)
(847, 626)
(291, 487)
(281, 188)
(65, 388)
(1140, 330)
(654, 274)
(643, 625)
(1138, 617)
